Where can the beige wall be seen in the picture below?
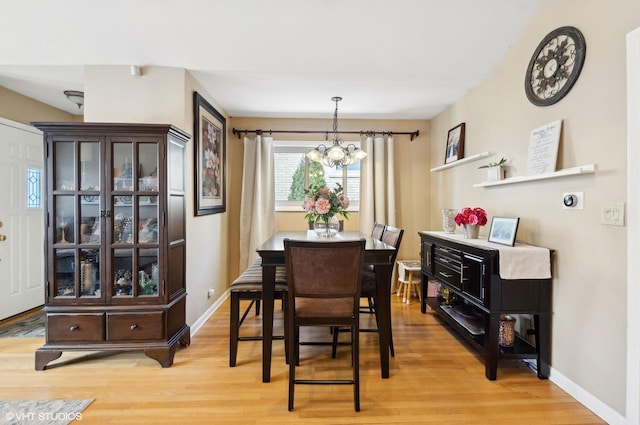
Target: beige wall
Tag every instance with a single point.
(165, 95)
(589, 317)
(411, 170)
(16, 107)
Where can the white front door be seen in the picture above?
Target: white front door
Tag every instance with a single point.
(22, 223)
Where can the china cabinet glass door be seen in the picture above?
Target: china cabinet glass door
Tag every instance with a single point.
(134, 217)
(77, 220)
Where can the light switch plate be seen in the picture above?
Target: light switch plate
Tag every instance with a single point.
(613, 214)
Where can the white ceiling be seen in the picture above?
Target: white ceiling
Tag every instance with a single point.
(402, 59)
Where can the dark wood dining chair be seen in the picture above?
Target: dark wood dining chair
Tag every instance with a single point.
(248, 286)
(324, 290)
(376, 233)
(391, 236)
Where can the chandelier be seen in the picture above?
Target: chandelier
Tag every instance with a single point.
(336, 155)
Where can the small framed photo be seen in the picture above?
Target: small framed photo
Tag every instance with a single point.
(210, 151)
(503, 230)
(455, 144)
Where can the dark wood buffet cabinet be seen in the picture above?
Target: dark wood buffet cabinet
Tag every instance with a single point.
(470, 273)
(114, 239)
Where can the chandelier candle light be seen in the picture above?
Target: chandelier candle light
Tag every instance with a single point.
(336, 155)
(322, 205)
(471, 219)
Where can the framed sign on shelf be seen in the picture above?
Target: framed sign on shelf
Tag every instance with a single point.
(210, 130)
(543, 148)
(455, 144)
(503, 230)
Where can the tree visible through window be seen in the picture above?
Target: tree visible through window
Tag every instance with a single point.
(294, 172)
(316, 178)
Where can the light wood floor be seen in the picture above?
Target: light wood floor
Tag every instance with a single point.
(435, 378)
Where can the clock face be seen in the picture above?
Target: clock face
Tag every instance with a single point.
(555, 66)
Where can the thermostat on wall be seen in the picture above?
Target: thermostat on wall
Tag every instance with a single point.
(573, 200)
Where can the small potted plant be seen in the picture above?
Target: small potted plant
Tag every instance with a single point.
(496, 170)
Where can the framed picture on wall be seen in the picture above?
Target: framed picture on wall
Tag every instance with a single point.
(503, 230)
(455, 144)
(210, 129)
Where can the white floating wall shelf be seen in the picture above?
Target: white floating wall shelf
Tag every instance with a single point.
(462, 161)
(583, 169)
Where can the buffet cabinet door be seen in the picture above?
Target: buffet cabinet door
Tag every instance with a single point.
(473, 276)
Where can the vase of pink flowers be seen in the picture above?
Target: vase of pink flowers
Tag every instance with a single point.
(471, 219)
(322, 205)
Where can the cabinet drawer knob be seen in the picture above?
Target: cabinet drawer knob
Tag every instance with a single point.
(74, 328)
(134, 326)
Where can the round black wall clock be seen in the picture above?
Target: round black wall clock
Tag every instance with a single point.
(555, 66)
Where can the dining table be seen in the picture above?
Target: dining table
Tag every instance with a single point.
(377, 253)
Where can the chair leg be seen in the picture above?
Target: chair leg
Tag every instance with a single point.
(336, 331)
(286, 330)
(355, 360)
(293, 360)
(234, 329)
(371, 305)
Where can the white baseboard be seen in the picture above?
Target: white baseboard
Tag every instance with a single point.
(592, 403)
(207, 314)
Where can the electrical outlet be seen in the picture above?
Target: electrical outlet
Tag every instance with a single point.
(211, 293)
(613, 214)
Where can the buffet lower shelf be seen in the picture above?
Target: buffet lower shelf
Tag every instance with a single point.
(474, 331)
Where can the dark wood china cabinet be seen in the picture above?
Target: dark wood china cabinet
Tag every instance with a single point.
(114, 239)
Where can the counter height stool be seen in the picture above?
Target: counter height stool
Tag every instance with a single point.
(248, 286)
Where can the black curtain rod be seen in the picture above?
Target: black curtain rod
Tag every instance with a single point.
(413, 134)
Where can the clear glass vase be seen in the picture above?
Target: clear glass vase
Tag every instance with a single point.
(326, 228)
(449, 220)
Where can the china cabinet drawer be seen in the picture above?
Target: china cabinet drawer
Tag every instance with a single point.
(75, 327)
(135, 326)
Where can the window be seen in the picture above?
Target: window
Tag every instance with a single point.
(294, 172)
(33, 188)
